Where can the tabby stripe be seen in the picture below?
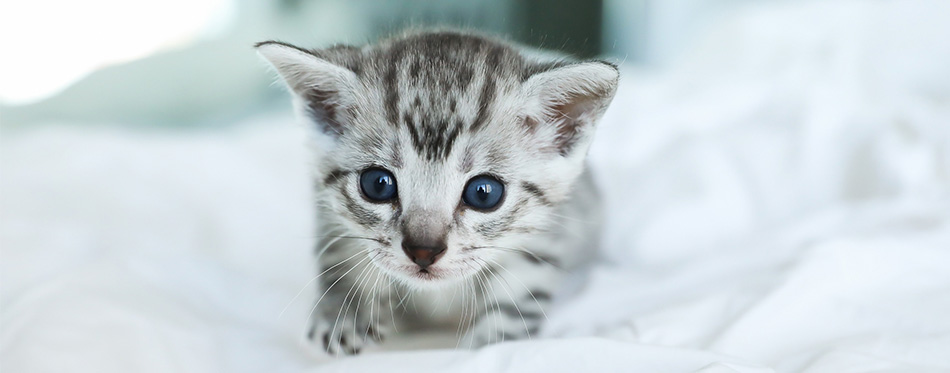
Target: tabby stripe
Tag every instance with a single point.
(541, 259)
(493, 228)
(512, 311)
(539, 295)
(334, 176)
(536, 191)
(487, 96)
(450, 140)
(363, 216)
(390, 83)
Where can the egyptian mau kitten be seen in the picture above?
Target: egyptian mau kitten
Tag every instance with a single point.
(450, 175)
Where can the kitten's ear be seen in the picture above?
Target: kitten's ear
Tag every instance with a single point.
(566, 101)
(325, 89)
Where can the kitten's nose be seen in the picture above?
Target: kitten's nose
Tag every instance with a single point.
(423, 253)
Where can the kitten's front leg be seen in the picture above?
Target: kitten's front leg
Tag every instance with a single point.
(353, 311)
(517, 293)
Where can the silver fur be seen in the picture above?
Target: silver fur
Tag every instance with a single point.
(437, 109)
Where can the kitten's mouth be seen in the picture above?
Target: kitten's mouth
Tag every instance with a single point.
(428, 274)
(424, 274)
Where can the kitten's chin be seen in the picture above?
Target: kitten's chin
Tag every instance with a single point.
(432, 278)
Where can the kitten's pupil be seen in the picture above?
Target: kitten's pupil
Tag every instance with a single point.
(382, 183)
(483, 191)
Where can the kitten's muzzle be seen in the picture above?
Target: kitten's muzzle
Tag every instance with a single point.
(424, 253)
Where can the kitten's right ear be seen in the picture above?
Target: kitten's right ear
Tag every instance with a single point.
(566, 100)
(327, 90)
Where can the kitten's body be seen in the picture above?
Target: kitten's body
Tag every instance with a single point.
(437, 114)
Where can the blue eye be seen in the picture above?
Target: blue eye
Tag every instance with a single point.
(378, 184)
(483, 192)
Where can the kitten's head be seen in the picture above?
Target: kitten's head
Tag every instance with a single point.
(445, 149)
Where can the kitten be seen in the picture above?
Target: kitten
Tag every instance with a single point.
(450, 171)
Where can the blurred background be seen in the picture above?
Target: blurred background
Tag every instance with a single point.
(777, 175)
(186, 63)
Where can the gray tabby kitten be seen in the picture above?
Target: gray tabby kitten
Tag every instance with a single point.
(450, 175)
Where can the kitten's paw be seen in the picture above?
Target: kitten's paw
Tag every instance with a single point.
(495, 328)
(479, 336)
(346, 337)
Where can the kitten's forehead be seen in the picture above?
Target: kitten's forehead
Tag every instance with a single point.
(467, 67)
(440, 86)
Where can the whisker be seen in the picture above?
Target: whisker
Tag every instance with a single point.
(474, 309)
(450, 302)
(334, 284)
(380, 240)
(499, 337)
(496, 305)
(361, 291)
(572, 218)
(519, 250)
(404, 298)
(522, 285)
(348, 301)
(458, 329)
(372, 304)
(391, 311)
(506, 287)
(325, 248)
(479, 277)
(311, 281)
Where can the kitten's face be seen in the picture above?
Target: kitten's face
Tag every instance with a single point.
(443, 150)
(443, 217)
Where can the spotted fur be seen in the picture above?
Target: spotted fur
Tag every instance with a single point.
(437, 109)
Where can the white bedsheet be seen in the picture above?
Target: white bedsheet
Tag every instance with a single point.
(779, 202)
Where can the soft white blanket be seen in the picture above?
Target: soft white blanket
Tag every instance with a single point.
(779, 202)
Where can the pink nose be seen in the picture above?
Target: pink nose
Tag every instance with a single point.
(423, 255)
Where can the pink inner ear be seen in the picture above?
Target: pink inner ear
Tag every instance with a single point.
(569, 117)
(323, 110)
(566, 126)
(531, 123)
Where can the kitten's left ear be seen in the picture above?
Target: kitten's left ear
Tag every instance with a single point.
(565, 102)
(326, 89)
